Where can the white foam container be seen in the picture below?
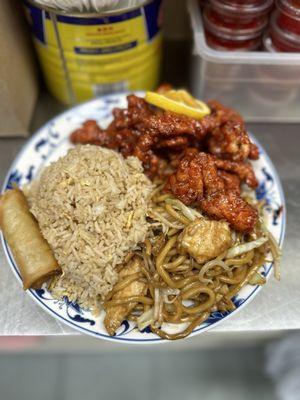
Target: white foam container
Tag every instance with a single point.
(263, 86)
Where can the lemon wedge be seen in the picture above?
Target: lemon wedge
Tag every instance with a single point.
(179, 102)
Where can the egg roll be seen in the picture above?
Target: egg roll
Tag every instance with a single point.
(30, 249)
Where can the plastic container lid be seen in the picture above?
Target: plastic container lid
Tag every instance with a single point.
(230, 28)
(224, 44)
(283, 40)
(242, 10)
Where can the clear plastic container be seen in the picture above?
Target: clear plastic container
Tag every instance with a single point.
(234, 31)
(232, 43)
(233, 28)
(263, 86)
(232, 34)
(243, 2)
(242, 10)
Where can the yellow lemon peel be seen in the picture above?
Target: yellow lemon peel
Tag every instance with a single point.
(179, 102)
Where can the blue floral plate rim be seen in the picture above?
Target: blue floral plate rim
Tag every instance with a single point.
(73, 316)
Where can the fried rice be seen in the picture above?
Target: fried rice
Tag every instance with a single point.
(91, 207)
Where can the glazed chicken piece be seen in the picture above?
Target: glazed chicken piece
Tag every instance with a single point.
(222, 113)
(166, 129)
(243, 170)
(188, 182)
(165, 124)
(159, 138)
(195, 176)
(204, 240)
(90, 133)
(115, 315)
(163, 88)
(123, 140)
(137, 110)
(120, 134)
(231, 181)
(229, 138)
(139, 130)
(231, 207)
(231, 141)
(197, 182)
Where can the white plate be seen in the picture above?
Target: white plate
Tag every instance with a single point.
(51, 142)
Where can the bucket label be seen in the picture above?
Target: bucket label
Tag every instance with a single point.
(85, 56)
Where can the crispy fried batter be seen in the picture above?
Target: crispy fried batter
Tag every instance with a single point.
(180, 142)
(121, 134)
(198, 182)
(229, 138)
(223, 113)
(163, 129)
(138, 110)
(142, 131)
(231, 207)
(187, 182)
(163, 88)
(167, 124)
(231, 181)
(91, 133)
(231, 141)
(173, 145)
(243, 170)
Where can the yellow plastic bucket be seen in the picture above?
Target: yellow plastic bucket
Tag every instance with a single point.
(86, 55)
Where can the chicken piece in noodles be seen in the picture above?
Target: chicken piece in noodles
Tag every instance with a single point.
(115, 315)
(205, 240)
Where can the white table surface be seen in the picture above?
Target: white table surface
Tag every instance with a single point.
(275, 308)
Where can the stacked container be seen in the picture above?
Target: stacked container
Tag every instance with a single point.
(284, 33)
(236, 25)
(263, 86)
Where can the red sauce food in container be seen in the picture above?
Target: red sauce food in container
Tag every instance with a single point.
(236, 25)
(242, 10)
(281, 40)
(243, 2)
(232, 44)
(232, 34)
(233, 26)
(289, 15)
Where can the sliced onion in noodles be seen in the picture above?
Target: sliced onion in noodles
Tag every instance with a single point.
(156, 303)
(257, 279)
(210, 264)
(158, 217)
(245, 247)
(170, 292)
(189, 213)
(145, 319)
(276, 254)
